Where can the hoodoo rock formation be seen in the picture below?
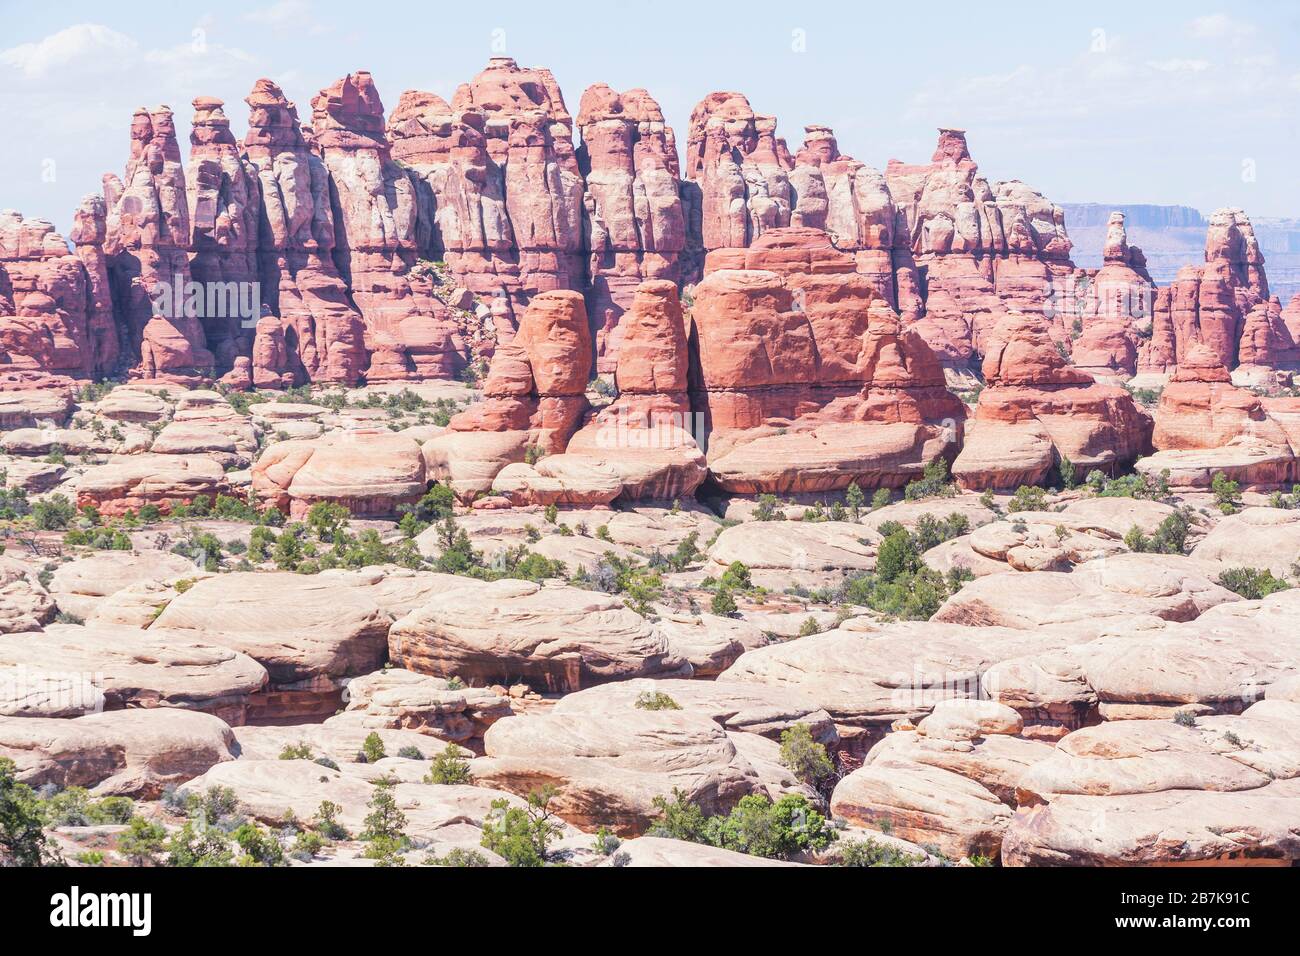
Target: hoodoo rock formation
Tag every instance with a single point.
(980, 249)
(50, 306)
(534, 397)
(409, 332)
(1037, 410)
(403, 247)
(635, 224)
(147, 242)
(1223, 305)
(1205, 425)
(739, 170)
(310, 330)
(805, 378)
(222, 191)
(1115, 308)
(471, 465)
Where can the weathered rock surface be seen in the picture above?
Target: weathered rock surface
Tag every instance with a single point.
(135, 668)
(134, 753)
(608, 772)
(369, 473)
(836, 384)
(79, 586)
(739, 707)
(310, 632)
(128, 482)
(1036, 410)
(559, 638)
(400, 699)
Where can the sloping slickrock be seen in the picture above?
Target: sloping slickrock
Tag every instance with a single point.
(1171, 587)
(28, 408)
(271, 790)
(924, 804)
(559, 480)
(1155, 793)
(868, 679)
(128, 482)
(341, 738)
(24, 604)
(908, 513)
(1255, 538)
(137, 605)
(400, 699)
(968, 719)
(142, 669)
(1257, 827)
(73, 441)
(995, 761)
(1045, 541)
(1121, 514)
(80, 586)
(310, 632)
(132, 403)
(560, 638)
(609, 772)
(1224, 659)
(1144, 756)
(662, 852)
(1140, 667)
(369, 473)
(230, 441)
(950, 783)
(796, 545)
(710, 643)
(748, 708)
(1048, 689)
(25, 692)
(128, 752)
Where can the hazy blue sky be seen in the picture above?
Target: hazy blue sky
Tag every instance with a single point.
(1105, 101)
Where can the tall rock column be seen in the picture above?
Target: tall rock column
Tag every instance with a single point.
(1117, 308)
(44, 323)
(1212, 304)
(89, 230)
(851, 201)
(311, 332)
(981, 250)
(409, 332)
(635, 224)
(740, 169)
(224, 207)
(528, 136)
(147, 241)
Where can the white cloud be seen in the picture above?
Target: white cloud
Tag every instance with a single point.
(84, 44)
(1220, 26)
(281, 13)
(1178, 65)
